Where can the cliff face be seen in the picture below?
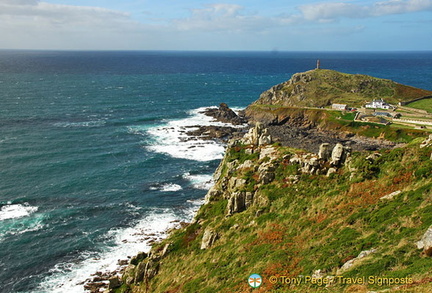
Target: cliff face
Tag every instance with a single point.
(287, 214)
(321, 87)
(336, 216)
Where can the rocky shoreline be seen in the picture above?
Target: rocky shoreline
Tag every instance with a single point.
(239, 127)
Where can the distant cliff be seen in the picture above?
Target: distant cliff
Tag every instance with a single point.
(322, 87)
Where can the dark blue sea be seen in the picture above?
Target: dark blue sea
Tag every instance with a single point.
(93, 158)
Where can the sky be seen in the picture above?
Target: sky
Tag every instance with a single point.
(231, 25)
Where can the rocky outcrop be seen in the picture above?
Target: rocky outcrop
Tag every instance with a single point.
(211, 132)
(323, 163)
(225, 114)
(346, 266)
(209, 238)
(322, 87)
(324, 152)
(257, 136)
(426, 242)
(240, 190)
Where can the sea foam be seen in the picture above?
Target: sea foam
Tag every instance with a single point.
(14, 211)
(125, 243)
(173, 138)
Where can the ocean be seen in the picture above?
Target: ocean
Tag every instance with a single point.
(94, 160)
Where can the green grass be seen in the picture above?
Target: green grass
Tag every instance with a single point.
(425, 104)
(319, 223)
(325, 87)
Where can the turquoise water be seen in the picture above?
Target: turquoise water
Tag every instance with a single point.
(91, 156)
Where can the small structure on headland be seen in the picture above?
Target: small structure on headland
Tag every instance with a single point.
(341, 107)
(318, 64)
(379, 104)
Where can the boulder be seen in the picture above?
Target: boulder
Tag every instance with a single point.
(138, 258)
(265, 138)
(337, 154)
(209, 238)
(257, 136)
(426, 242)
(212, 194)
(140, 271)
(146, 270)
(266, 173)
(268, 151)
(224, 114)
(249, 197)
(427, 142)
(236, 203)
(331, 171)
(236, 183)
(346, 266)
(324, 151)
(373, 157)
(391, 195)
(114, 282)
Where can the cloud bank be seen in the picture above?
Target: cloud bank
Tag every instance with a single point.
(330, 11)
(38, 24)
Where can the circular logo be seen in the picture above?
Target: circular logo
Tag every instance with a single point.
(255, 280)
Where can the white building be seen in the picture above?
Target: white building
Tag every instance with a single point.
(379, 104)
(339, 106)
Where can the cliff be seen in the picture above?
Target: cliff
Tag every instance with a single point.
(333, 217)
(322, 87)
(286, 214)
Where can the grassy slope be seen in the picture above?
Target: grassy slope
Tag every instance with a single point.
(329, 86)
(422, 105)
(319, 223)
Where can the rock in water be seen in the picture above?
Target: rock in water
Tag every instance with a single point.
(224, 114)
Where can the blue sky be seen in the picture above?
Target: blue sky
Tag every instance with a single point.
(339, 25)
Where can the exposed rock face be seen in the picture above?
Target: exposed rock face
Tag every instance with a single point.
(210, 132)
(225, 114)
(114, 282)
(240, 191)
(236, 203)
(257, 136)
(426, 242)
(147, 269)
(320, 164)
(288, 93)
(346, 266)
(324, 151)
(427, 142)
(336, 155)
(390, 196)
(209, 238)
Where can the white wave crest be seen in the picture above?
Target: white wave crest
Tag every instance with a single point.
(71, 277)
(200, 181)
(172, 138)
(170, 187)
(93, 123)
(14, 211)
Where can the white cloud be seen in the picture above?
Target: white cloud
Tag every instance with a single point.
(330, 11)
(43, 13)
(39, 24)
(19, 2)
(222, 17)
